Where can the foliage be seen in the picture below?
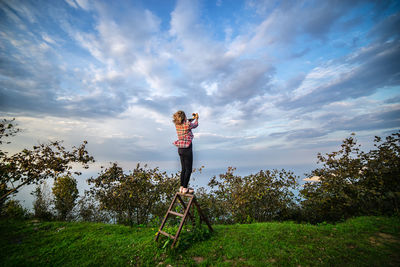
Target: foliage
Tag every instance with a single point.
(89, 210)
(381, 175)
(14, 210)
(42, 202)
(7, 129)
(65, 194)
(212, 206)
(264, 196)
(353, 182)
(34, 166)
(135, 197)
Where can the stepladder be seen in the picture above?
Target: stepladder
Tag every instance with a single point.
(186, 207)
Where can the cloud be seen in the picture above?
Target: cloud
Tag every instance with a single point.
(72, 3)
(359, 74)
(286, 21)
(249, 79)
(272, 73)
(393, 100)
(383, 119)
(84, 4)
(23, 10)
(300, 134)
(193, 49)
(106, 89)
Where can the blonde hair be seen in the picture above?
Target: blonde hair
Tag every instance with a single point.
(179, 117)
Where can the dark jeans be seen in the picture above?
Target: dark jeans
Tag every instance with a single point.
(186, 155)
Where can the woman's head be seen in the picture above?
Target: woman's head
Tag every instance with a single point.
(179, 117)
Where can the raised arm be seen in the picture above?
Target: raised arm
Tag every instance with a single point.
(195, 123)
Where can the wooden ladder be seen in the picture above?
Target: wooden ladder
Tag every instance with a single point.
(192, 200)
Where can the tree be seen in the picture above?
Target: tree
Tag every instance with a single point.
(89, 210)
(65, 193)
(381, 176)
(34, 166)
(136, 197)
(353, 182)
(264, 196)
(42, 202)
(14, 210)
(7, 129)
(332, 198)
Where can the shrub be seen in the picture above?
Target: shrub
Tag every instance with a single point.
(65, 193)
(353, 182)
(14, 210)
(42, 203)
(264, 196)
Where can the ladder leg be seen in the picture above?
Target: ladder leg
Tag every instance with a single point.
(202, 216)
(182, 222)
(166, 216)
(184, 206)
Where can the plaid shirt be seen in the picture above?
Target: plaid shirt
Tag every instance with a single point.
(185, 134)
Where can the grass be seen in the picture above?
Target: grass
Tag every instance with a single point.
(362, 241)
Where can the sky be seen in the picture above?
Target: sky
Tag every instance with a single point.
(274, 82)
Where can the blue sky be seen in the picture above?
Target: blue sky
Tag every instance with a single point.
(274, 82)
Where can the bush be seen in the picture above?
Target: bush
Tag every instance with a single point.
(89, 210)
(353, 183)
(65, 193)
(133, 198)
(264, 196)
(42, 203)
(14, 210)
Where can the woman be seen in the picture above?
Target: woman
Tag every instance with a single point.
(184, 144)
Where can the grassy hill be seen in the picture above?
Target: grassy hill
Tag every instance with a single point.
(362, 241)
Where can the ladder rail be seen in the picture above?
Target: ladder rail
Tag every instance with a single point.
(204, 218)
(165, 218)
(182, 222)
(184, 206)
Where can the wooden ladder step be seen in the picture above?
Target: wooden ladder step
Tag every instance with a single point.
(185, 195)
(176, 213)
(166, 234)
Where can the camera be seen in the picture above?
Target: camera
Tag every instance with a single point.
(194, 115)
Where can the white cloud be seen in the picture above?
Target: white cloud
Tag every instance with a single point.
(84, 4)
(132, 70)
(71, 3)
(211, 88)
(47, 38)
(325, 75)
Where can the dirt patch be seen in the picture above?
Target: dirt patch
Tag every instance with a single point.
(374, 241)
(389, 238)
(198, 259)
(234, 261)
(351, 246)
(226, 259)
(380, 238)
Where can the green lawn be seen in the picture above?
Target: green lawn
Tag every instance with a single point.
(362, 241)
